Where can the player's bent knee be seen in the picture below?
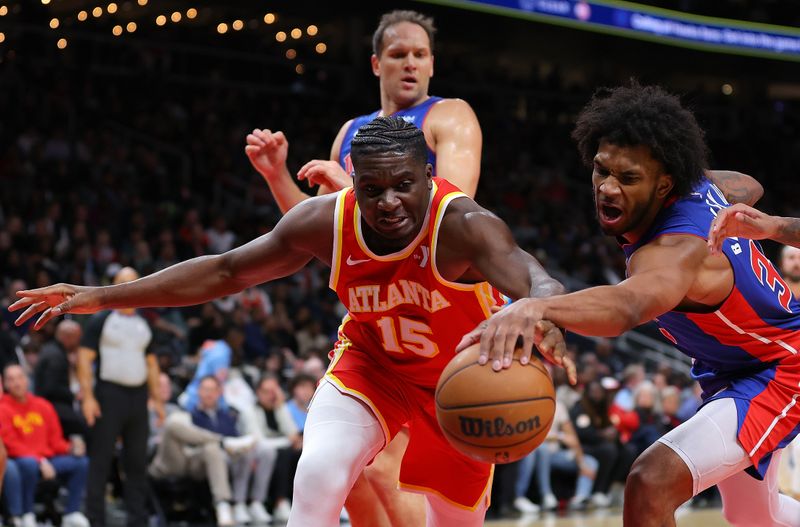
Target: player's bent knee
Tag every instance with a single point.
(317, 476)
(658, 480)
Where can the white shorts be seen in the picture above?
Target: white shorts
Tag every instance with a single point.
(708, 444)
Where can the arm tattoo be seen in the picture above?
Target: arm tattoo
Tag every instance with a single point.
(789, 232)
(735, 186)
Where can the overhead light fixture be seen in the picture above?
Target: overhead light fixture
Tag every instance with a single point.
(62, 43)
(222, 28)
(161, 20)
(54, 23)
(297, 33)
(116, 30)
(131, 27)
(269, 18)
(280, 36)
(191, 13)
(321, 48)
(312, 30)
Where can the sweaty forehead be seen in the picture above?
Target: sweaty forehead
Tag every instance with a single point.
(405, 34)
(626, 158)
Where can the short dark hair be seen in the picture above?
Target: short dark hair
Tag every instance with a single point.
(635, 115)
(267, 376)
(389, 134)
(301, 378)
(395, 17)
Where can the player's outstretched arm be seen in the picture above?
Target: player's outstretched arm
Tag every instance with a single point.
(267, 152)
(737, 187)
(661, 274)
(490, 253)
(305, 232)
(458, 142)
(746, 222)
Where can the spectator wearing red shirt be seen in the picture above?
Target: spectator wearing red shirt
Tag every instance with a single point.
(32, 434)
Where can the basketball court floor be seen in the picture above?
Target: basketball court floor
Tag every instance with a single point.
(611, 518)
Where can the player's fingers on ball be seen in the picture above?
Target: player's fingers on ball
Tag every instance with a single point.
(528, 342)
(279, 137)
(509, 347)
(487, 341)
(498, 348)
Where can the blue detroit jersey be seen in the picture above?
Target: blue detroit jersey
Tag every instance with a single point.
(414, 115)
(748, 348)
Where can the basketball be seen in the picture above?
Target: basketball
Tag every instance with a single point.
(494, 416)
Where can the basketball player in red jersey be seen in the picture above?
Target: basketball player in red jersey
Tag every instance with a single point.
(403, 62)
(412, 259)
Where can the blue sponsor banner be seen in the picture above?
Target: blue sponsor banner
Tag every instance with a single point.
(648, 23)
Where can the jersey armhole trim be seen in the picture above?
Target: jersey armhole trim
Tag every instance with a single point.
(338, 223)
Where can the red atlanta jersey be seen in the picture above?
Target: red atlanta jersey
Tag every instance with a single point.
(401, 311)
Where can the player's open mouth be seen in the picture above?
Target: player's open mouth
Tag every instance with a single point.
(392, 223)
(409, 81)
(609, 214)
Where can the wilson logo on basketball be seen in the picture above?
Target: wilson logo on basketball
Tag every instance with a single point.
(476, 427)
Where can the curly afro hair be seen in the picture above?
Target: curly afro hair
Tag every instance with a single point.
(637, 115)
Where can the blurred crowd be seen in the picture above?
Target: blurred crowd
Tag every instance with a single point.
(103, 169)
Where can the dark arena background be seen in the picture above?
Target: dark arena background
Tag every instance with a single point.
(122, 134)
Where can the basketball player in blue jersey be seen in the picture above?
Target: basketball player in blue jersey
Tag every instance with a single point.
(403, 62)
(731, 312)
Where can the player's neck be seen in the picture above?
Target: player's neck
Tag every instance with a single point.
(390, 106)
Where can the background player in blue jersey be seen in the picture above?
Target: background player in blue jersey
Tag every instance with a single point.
(402, 61)
(731, 312)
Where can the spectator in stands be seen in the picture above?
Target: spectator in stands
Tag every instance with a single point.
(156, 424)
(561, 451)
(691, 401)
(256, 463)
(52, 377)
(651, 423)
(272, 423)
(118, 341)
(631, 377)
(185, 449)
(32, 435)
(301, 388)
(599, 438)
(670, 404)
(604, 349)
(215, 360)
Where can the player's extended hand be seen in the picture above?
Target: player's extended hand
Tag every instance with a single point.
(499, 335)
(741, 220)
(550, 342)
(267, 152)
(325, 172)
(55, 300)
